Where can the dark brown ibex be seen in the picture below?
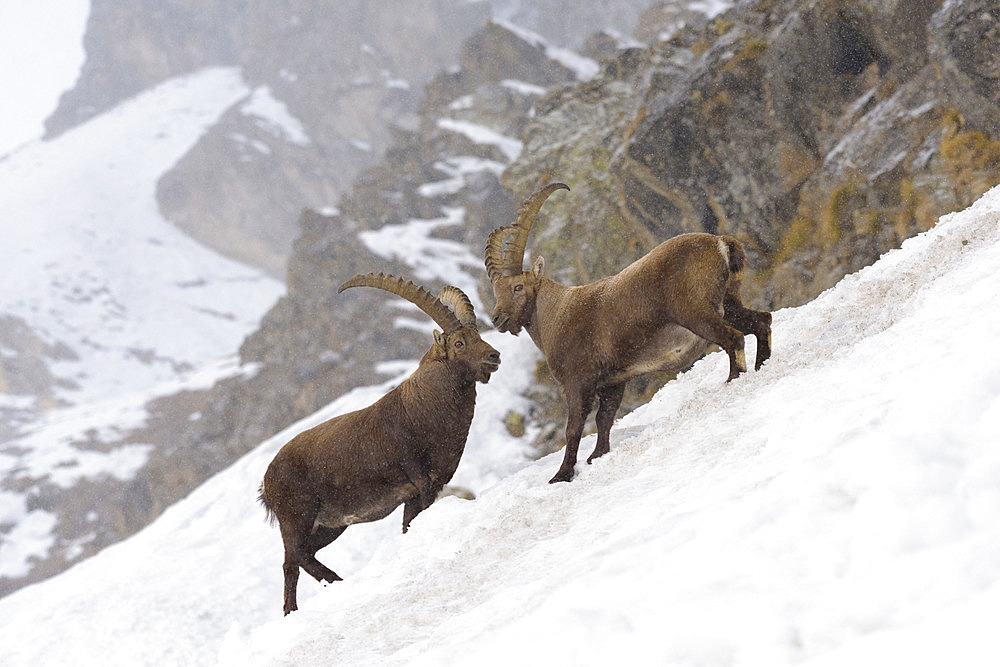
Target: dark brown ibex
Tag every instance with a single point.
(656, 314)
(402, 449)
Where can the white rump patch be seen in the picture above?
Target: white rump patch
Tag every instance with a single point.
(723, 250)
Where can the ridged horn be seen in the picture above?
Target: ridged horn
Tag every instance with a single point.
(461, 304)
(415, 294)
(494, 252)
(513, 257)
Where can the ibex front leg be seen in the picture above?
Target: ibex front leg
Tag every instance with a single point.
(421, 481)
(579, 404)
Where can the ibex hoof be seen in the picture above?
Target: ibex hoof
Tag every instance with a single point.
(596, 455)
(562, 476)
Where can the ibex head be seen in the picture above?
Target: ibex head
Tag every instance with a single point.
(459, 342)
(514, 288)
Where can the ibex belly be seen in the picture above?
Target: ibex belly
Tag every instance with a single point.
(672, 348)
(345, 514)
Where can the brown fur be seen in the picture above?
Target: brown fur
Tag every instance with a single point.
(659, 313)
(360, 466)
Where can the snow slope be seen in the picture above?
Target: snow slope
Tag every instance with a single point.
(837, 507)
(84, 251)
(85, 245)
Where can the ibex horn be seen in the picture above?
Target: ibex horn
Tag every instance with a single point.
(494, 252)
(513, 256)
(460, 303)
(418, 296)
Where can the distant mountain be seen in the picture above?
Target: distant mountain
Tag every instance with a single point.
(346, 73)
(105, 306)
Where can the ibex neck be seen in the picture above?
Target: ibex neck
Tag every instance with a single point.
(437, 387)
(437, 408)
(550, 298)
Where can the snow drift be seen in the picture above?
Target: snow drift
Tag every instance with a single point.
(837, 507)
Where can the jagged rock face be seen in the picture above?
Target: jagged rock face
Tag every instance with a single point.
(820, 133)
(23, 369)
(797, 126)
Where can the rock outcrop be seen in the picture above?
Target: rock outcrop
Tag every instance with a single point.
(821, 133)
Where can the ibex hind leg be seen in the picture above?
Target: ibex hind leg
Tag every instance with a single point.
(748, 321)
(609, 398)
(762, 332)
(323, 536)
(713, 328)
(301, 546)
(291, 571)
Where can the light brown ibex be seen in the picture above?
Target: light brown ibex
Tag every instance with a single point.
(659, 313)
(402, 449)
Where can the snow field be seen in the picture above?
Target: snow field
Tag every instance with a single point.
(86, 247)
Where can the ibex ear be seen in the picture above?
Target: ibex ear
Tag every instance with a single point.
(538, 266)
(439, 338)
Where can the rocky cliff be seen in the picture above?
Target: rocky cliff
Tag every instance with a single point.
(821, 133)
(799, 127)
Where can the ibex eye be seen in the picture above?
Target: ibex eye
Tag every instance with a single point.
(518, 288)
(459, 344)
